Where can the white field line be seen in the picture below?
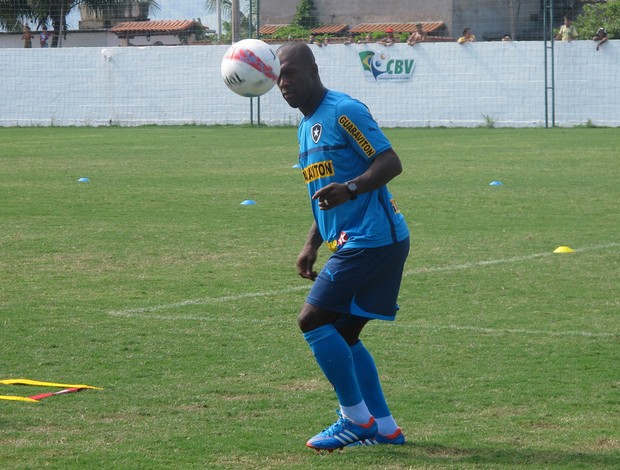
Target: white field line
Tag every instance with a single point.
(512, 331)
(148, 312)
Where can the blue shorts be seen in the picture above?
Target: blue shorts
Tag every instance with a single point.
(361, 281)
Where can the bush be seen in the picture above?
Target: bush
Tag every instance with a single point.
(291, 31)
(600, 15)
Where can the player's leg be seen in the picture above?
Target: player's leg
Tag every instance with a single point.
(334, 357)
(370, 385)
(326, 321)
(368, 379)
(378, 296)
(333, 354)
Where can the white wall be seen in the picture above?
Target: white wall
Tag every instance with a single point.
(451, 85)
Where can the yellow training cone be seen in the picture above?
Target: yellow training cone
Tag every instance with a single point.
(564, 249)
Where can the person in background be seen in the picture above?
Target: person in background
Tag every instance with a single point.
(467, 37)
(567, 32)
(43, 37)
(601, 37)
(27, 36)
(350, 39)
(389, 38)
(419, 35)
(506, 38)
(367, 39)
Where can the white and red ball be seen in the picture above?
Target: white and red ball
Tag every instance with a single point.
(250, 67)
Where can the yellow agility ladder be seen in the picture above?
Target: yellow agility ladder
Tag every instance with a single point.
(68, 388)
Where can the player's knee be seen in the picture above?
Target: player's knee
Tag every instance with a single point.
(310, 318)
(307, 322)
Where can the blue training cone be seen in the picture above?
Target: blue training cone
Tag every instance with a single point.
(248, 202)
(496, 183)
(83, 180)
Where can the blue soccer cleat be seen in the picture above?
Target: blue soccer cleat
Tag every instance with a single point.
(343, 433)
(397, 438)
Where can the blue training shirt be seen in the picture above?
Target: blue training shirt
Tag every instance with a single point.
(337, 143)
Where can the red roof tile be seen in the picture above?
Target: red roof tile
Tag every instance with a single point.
(271, 28)
(330, 29)
(428, 26)
(151, 27)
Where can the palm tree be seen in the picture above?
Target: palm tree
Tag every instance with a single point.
(247, 8)
(15, 13)
(226, 6)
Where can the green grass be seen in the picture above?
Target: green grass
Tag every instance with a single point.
(153, 282)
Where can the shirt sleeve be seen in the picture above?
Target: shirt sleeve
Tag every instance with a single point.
(360, 130)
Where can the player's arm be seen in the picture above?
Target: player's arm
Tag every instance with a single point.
(383, 168)
(308, 255)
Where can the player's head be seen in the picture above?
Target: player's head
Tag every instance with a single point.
(299, 79)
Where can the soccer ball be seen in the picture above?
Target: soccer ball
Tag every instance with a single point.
(250, 68)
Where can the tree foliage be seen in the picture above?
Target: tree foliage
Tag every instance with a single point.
(599, 15)
(291, 31)
(305, 15)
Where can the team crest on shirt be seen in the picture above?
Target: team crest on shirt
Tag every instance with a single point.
(316, 130)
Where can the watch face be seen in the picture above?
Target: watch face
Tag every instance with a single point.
(352, 189)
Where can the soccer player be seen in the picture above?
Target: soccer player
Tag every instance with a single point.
(347, 162)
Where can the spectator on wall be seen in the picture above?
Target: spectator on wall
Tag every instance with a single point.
(389, 38)
(419, 35)
(43, 37)
(367, 39)
(567, 31)
(601, 37)
(350, 39)
(27, 37)
(506, 38)
(466, 37)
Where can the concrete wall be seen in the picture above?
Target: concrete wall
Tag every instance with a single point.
(448, 85)
(354, 12)
(488, 18)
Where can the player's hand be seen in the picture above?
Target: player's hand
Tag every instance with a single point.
(332, 196)
(305, 263)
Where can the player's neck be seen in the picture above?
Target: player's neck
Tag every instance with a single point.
(315, 100)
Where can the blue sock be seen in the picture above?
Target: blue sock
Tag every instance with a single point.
(368, 380)
(333, 355)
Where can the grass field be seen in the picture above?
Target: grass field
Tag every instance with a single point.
(153, 282)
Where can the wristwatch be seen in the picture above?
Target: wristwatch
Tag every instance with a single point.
(352, 189)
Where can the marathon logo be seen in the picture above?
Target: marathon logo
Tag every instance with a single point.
(354, 132)
(318, 170)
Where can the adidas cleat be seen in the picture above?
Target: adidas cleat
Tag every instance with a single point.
(342, 433)
(397, 438)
